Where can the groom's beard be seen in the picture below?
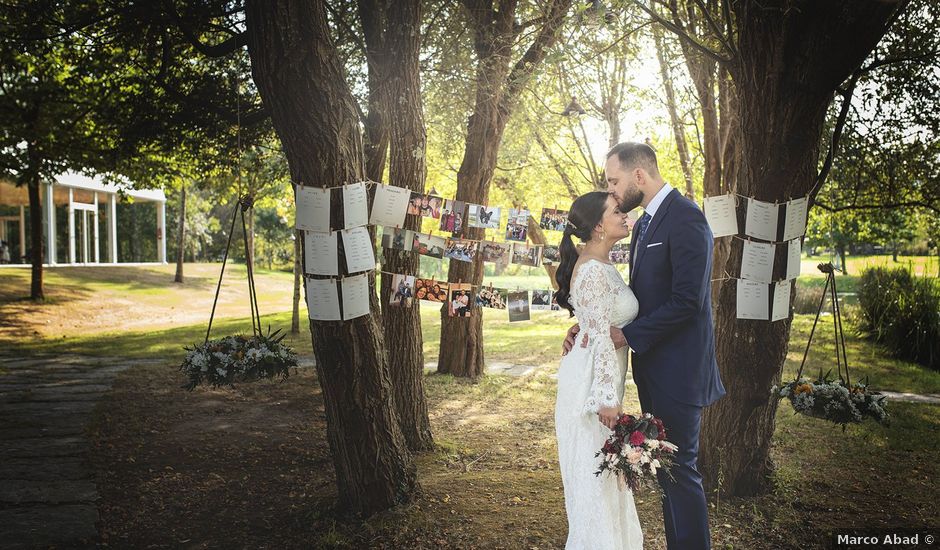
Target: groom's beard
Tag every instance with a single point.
(631, 200)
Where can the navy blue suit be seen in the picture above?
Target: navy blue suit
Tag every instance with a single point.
(673, 343)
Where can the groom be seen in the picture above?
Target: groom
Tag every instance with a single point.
(672, 338)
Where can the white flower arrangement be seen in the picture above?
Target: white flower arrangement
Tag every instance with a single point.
(832, 400)
(238, 359)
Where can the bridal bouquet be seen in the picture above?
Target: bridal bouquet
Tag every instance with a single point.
(636, 450)
(238, 359)
(832, 400)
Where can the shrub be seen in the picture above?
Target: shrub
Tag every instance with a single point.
(902, 312)
(806, 299)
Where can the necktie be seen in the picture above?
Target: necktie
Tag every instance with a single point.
(642, 225)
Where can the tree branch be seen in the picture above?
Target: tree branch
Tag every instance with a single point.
(675, 29)
(836, 136)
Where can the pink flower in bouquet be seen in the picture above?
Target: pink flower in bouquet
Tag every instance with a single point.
(637, 438)
(633, 457)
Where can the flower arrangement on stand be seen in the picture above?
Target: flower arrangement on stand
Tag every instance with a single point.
(238, 358)
(833, 400)
(636, 450)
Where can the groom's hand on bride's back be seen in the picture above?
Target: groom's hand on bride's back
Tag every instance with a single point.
(570, 338)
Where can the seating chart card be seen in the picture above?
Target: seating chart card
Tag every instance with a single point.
(761, 222)
(753, 300)
(757, 262)
(389, 206)
(781, 308)
(794, 258)
(313, 209)
(322, 300)
(320, 257)
(358, 249)
(355, 205)
(795, 224)
(721, 215)
(355, 296)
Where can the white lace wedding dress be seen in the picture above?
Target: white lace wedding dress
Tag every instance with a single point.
(600, 516)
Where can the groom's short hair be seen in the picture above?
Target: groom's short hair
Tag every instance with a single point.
(632, 154)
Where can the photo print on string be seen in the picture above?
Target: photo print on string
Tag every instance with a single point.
(425, 205)
(551, 255)
(459, 298)
(542, 300)
(453, 216)
(481, 216)
(620, 253)
(428, 245)
(495, 298)
(553, 219)
(431, 290)
(530, 255)
(397, 239)
(461, 249)
(402, 290)
(518, 306)
(555, 306)
(517, 227)
(494, 252)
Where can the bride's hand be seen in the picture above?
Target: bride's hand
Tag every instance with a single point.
(608, 416)
(570, 337)
(616, 334)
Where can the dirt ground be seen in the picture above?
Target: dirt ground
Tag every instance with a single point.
(250, 468)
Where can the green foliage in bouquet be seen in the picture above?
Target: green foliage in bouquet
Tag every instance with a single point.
(238, 358)
(832, 400)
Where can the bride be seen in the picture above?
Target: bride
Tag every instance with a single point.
(591, 379)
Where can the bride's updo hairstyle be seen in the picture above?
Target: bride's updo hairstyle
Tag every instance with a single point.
(585, 213)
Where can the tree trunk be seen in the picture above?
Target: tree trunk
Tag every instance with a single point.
(677, 129)
(293, 60)
(497, 87)
(845, 265)
(36, 291)
(181, 236)
(250, 214)
(298, 274)
(784, 84)
(407, 144)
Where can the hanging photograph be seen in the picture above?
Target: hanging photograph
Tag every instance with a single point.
(530, 255)
(555, 306)
(495, 298)
(453, 216)
(553, 220)
(461, 249)
(431, 290)
(459, 300)
(486, 217)
(494, 252)
(398, 239)
(403, 290)
(518, 306)
(426, 205)
(428, 245)
(542, 300)
(620, 253)
(551, 255)
(517, 227)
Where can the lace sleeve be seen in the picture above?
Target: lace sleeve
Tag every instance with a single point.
(595, 293)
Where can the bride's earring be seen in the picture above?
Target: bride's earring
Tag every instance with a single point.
(603, 236)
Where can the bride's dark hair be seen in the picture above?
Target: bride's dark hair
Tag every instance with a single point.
(585, 213)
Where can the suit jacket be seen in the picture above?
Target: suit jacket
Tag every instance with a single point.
(673, 338)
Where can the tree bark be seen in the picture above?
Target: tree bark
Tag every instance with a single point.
(784, 89)
(407, 144)
(181, 236)
(293, 61)
(677, 129)
(298, 270)
(36, 290)
(498, 84)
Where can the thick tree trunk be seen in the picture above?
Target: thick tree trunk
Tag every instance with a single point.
(36, 291)
(407, 144)
(300, 77)
(784, 89)
(181, 236)
(497, 87)
(678, 130)
(298, 274)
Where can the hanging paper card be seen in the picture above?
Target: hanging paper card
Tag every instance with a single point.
(752, 300)
(761, 220)
(794, 258)
(322, 300)
(721, 215)
(757, 262)
(313, 209)
(320, 256)
(795, 223)
(358, 249)
(355, 205)
(389, 206)
(781, 308)
(355, 296)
